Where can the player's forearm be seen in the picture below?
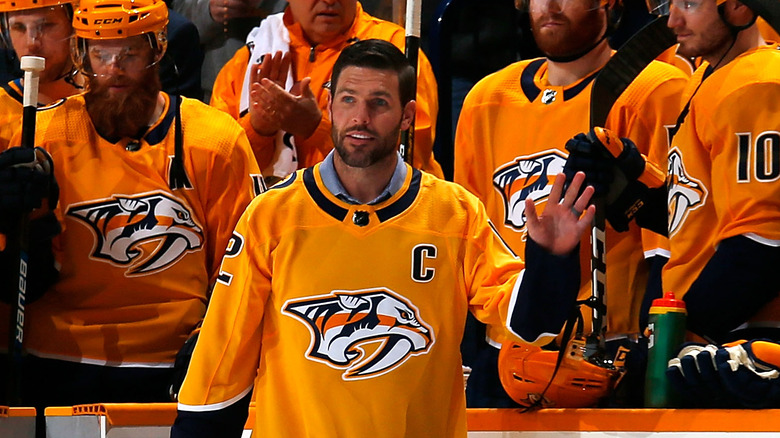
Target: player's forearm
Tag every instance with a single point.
(225, 423)
(197, 11)
(740, 278)
(546, 295)
(654, 213)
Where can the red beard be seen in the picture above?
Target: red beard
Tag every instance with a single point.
(126, 113)
(576, 35)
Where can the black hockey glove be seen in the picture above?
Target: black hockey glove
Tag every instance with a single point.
(181, 365)
(616, 170)
(742, 374)
(26, 180)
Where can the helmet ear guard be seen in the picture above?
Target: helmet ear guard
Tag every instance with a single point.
(535, 377)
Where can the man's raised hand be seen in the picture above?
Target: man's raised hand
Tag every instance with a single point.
(562, 223)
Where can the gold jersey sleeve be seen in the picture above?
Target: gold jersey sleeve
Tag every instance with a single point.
(347, 319)
(137, 257)
(724, 166)
(767, 31)
(510, 145)
(316, 62)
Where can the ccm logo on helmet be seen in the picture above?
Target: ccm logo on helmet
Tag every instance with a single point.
(108, 20)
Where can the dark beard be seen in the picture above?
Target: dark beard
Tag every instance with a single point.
(127, 114)
(387, 145)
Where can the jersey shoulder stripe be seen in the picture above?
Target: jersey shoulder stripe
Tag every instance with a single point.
(320, 199)
(406, 200)
(14, 90)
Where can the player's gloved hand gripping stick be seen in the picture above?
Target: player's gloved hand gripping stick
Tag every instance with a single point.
(622, 68)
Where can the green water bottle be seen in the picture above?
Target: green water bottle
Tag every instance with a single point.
(665, 333)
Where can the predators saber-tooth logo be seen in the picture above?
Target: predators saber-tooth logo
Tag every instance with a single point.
(685, 193)
(147, 232)
(367, 332)
(529, 176)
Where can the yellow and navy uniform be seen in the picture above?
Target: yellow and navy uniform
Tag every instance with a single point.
(723, 172)
(136, 258)
(317, 62)
(10, 111)
(509, 147)
(365, 342)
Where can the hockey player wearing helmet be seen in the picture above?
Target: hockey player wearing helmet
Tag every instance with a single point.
(151, 186)
(723, 211)
(510, 143)
(36, 28)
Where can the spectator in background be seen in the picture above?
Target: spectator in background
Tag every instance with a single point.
(223, 26)
(276, 86)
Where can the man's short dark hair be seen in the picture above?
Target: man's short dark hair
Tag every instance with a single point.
(379, 55)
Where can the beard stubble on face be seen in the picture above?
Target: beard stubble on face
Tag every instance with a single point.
(365, 156)
(127, 113)
(572, 36)
(710, 44)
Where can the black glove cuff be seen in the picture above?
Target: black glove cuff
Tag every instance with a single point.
(630, 160)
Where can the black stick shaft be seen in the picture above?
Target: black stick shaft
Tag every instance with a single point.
(413, 17)
(32, 66)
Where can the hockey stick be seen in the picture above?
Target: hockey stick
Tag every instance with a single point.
(32, 66)
(616, 75)
(413, 18)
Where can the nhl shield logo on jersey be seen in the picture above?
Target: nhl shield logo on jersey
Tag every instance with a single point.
(685, 193)
(529, 176)
(147, 232)
(548, 96)
(367, 332)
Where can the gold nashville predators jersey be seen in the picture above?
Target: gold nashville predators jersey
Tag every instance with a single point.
(136, 258)
(724, 166)
(509, 147)
(10, 112)
(348, 318)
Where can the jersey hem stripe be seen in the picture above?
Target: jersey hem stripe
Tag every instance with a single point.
(214, 406)
(100, 362)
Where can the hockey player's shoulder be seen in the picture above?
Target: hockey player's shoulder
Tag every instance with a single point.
(505, 86)
(453, 195)
(208, 127)
(658, 79)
